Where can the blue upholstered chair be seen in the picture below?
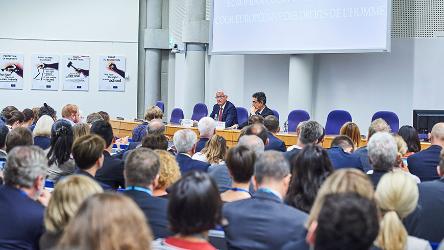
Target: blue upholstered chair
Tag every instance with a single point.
(335, 120)
(200, 110)
(176, 116)
(390, 117)
(295, 117)
(161, 105)
(275, 113)
(242, 115)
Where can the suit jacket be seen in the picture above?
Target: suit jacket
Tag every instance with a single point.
(341, 159)
(155, 210)
(362, 153)
(201, 144)
(427, 221)
(275, 143)
(187, 164)
(84, 173)
(265, 112)
(290, 154)
(221, 175)
(21, 220)
(262, 222)
(111, 172)
(423, 164)
(42, 142)
(376, 176)
(229, 114)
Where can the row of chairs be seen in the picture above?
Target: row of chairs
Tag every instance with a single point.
(335, 118)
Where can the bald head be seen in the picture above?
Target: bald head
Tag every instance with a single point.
(253, 143)
(437, 134)
(156, 126)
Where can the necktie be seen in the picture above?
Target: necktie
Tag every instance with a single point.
(221, 110)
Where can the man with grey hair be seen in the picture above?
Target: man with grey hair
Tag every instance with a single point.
(185, 143)
(378, 125)
(311, 132)
(423, 164)
(382, 153)
(141, 177)
(224, 110)
(252, 142)
(265, 222)
(207, 128)
(22, 198)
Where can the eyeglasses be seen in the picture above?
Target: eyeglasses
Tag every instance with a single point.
(219, 96)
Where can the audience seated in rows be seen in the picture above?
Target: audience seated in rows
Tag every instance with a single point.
(194, 209)
(42, 132)
(309, 169)
(240, 163)
(272, 124)
(59, 153)
(111, 172)
(351, 130)
(152, 113)
(207, 128)
(185, 143)
(341, 155)
(99, 224)
(66, 199)
(382, 154)
(427, 220)
(311, 132)
(423, 164)
(258, 223)
(397, 197)
(378, 125)
(21, 216)
(169, 173)
(141, 176)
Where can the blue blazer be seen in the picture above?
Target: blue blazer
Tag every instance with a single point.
(186, 164)
(275, 143)
(427, 221)
(423, 164)
(21, 220)
(201, 144)
(341, 159)
(262, 222)
(290, 154)
(229, 114)
(111, 173)
(362, 154)
(155, 210)
(42, 142)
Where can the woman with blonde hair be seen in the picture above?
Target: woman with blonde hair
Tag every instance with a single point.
(66, 198)
(107, 221)
(401, 162)
(151, 113)
(397, 197)
(214, 151)
(351, 130)
(42, 132)
(80, 129)
(169, 173)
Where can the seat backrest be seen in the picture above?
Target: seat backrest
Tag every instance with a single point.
(200, 110)
(161, 105)
(217, 239)
(295, 117)
(176, 116)
(242, 115)
(390, 117)
(275, 113)
(335, 120)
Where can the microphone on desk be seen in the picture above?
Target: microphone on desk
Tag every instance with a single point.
(286, 126)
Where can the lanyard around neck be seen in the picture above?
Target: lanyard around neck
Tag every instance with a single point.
(141, 189)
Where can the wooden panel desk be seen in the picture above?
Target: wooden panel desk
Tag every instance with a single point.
(125, 128)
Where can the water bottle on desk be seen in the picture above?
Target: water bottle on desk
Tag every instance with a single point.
(286, 127)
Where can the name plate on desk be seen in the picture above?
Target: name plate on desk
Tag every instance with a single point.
(187, 123)
(220, 125)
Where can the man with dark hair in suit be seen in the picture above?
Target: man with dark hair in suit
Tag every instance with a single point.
(141, 176)
(423, 164)
(224, 110)
(427, 221)
(272, 124)
(265, 222)
(340, 153)
(311, 132)
(259, 106)
(111, 172)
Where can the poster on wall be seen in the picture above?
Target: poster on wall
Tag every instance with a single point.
(75, 73)
(45, 72)
(112, 73)
(11, 71)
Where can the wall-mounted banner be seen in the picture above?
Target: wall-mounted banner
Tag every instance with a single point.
(45, 72)
(11, 71)
(112, 73)
(75, 73)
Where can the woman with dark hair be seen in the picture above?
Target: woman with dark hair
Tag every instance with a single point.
(309, 170)
(28, 118)
(194, 208)
(14, 119)
(47, 110)
(59, 154)
(410, 136)
(240, 163)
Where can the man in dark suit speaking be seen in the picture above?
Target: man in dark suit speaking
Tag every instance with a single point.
(224, 110)
(259, 105)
